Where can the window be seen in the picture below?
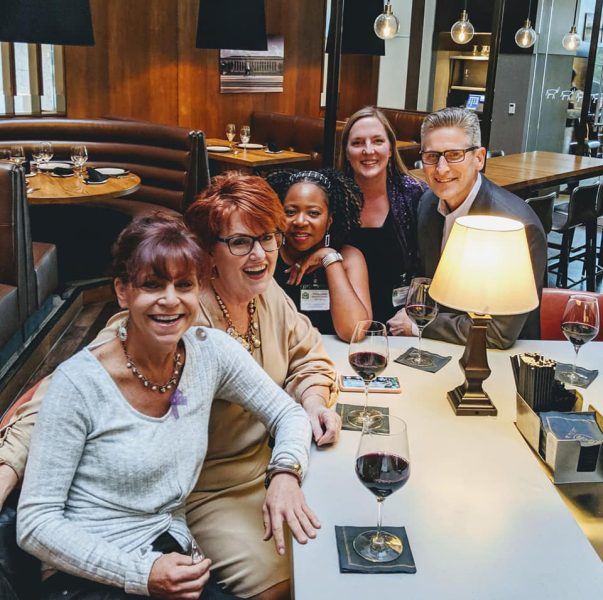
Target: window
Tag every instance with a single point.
(32, 79)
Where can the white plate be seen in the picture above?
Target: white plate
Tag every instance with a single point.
(251, 146)
(95, 182)
(112, 171)
(59, 175)
(218, 149)
(52, 165)
(30, 174)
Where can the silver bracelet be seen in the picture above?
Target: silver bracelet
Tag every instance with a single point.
(330, 258)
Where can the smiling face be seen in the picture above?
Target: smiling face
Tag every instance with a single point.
(307, 213)
(368, 149)
(452, 182)
(160, 310)
(241, 278)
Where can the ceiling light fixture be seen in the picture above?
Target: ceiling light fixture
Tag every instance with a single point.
(386, 24)
(525, 37)
(571, 40)
(462, 31)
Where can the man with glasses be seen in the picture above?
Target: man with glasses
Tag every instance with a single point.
(453, 157)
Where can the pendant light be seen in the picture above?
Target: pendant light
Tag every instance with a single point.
(386, 24)
(462, 31)
(525, 37)
(571, 40)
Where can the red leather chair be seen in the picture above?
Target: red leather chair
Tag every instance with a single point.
(552, 306)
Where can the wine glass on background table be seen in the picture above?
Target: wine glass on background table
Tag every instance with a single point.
(231, 133)
(79, 157)
(17, 154)
(368, 356)
(245, 135)
(579, 324)
(45, 152)
(383, 467)
(421, 309)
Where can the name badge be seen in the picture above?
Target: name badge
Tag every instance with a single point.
(399, 295)
(313, 298)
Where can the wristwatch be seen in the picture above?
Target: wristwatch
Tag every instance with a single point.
(283, 466)
(330, 258)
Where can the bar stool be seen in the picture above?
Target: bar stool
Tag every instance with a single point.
(543, 207)
(581, 212)
(493, 153)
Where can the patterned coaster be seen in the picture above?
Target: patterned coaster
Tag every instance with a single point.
(437, 361)
(587, 373)
(344, 409)
(351, 562)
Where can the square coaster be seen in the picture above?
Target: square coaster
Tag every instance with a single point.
(590, 375)
(344, 409)
(437, 360)
(351, 562)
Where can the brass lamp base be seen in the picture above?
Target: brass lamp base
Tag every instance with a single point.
(469, 398)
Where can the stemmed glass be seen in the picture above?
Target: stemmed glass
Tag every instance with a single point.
(368, 356)
(421, 309)
(245, 135)
(580, 324)
(383, 466)
(44, 152)
(79, 157)
(231, 133)
(17, 155)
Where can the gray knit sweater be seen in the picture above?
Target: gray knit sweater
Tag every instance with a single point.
(104, 480)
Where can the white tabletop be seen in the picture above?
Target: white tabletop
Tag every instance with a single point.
(482, 517)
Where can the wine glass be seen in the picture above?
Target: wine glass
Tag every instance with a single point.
(383, 466)
(231, 133)
(245, 134)
(44, 152)
(421, 309)
(79, 157)
(368, 356)
(17, 155)
(579, 324)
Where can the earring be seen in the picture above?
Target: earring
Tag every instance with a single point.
(327, 239)
(214, 272)
(122, 330)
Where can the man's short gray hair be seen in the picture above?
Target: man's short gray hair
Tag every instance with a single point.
(454, 117)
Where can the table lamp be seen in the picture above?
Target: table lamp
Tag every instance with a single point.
(485, 270)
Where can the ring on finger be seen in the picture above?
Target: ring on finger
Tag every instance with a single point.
(297, 266)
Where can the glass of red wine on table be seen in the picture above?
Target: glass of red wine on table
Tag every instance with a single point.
(383, 467)
(368, 356)
(421, 309)
(579, 324)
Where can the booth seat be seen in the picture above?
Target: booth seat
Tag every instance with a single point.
(407, 126)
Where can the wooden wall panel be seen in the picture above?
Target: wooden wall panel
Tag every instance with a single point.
(145, 65)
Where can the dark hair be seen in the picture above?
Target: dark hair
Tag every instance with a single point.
(161, 244)
(344, 198)
(233, 192)
(395, 162)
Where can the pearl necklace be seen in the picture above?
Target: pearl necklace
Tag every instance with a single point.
(171, 382)
(250, 339)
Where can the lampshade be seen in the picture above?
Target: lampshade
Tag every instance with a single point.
(232, 24)
(65, 22)
(486, 268)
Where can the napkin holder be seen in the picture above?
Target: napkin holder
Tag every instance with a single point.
(561, 456)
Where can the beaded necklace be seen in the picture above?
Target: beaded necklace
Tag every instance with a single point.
(250, 339)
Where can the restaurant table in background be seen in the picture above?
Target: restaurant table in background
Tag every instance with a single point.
(254, 158)
(483, 519)
(528, 172)
(47, 189)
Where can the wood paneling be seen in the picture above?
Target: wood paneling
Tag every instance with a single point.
(145, 65)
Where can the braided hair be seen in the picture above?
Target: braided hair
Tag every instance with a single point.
(343, 195)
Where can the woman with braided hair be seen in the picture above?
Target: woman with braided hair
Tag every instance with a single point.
(325, 277)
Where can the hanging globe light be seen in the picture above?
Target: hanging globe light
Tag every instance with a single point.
(571, 40)
(462, 31)
(525, 36)
(386, 24)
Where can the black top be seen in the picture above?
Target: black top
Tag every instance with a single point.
(321, 319)
(386, 264)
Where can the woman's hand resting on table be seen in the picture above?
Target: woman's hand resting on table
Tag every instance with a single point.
(285, 503)
(173, 577)
(326, 423)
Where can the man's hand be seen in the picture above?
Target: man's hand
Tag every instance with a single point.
(8, 482)
(285, 503)
(400, 324)
(173, 577)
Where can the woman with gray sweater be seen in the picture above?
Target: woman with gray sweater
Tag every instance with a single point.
(122, 434)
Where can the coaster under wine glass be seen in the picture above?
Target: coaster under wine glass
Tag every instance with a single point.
(437, 361)
(586, 375)
(351, 562)
(343, 411)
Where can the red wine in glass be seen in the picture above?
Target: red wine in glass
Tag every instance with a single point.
(382, 473)
(368, 356)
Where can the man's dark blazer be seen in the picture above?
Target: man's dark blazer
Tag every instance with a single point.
(490, 200)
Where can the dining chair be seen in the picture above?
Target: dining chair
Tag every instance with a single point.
(543, 207)
(581, 212)
(493, 153)
(552, 305)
